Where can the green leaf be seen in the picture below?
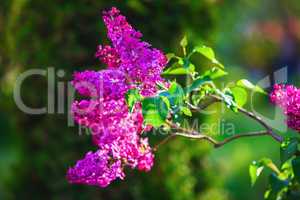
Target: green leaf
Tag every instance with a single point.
(167, 102)
(277, 185)
(176, 70)
(205, 51)
(255, 169)
(175, 88)
(267, 162)
(175, 94)
(186, 63)
(132, 96)
(182, 67)
(296, 168)
(208, 53)
(186, 111)
(176, 91)
(288, 149)
(248, 85)
(214, 73)
(286, 170)
(240, 95)
(197, 83)
(184, 42)
(155, 111)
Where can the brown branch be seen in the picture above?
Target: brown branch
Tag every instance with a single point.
(277, 137)
(248, 134)
(199, 136)
(216, 144)
(196, 135)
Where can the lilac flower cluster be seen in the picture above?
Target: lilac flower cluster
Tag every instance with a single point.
(288, 98)
(116, 132)
(136, 58)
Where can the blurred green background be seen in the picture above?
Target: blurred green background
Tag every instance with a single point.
(253, 38)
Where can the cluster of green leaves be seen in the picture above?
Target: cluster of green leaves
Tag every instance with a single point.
(284, 182)
(157, 108)
(173, 102)
(184, 66)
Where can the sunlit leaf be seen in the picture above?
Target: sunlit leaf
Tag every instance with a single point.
(248, 85)
(186, 111)
(208, 53)
(255, 169)
(155, 111)
(214, 73)
(131, 97)
(175, 94)
(176, 70)
(182, 67)
(184, 42)
(269, 163)
(167, 102)
(240, 95)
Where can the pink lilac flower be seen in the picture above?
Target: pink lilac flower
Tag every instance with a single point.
(109, 56)
(107, 120)
(136, 58)
(96, 169)
(116, 132)
(146, 159)
(106, 83)
(287, 97)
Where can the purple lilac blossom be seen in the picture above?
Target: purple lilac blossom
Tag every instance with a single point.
(109, 56)
(142, 63)
(105, 83)
(287, 97)
(96, 169)
(115, 131)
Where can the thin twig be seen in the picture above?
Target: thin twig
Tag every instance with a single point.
(180, 131)
(215, 143)
(234, 137)
(277, 137)
(197, 135)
